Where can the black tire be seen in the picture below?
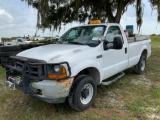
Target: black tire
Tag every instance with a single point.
(3, 61)
(37, 45)
(7, 54)
(83, 93)
(25, 46)
(140, 67)
(9, 48)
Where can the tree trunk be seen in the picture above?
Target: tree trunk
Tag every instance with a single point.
(111, 19)
(120, 9)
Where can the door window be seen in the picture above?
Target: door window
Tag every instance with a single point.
(113, 31)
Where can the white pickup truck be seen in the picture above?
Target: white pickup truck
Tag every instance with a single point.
(18, 41)
(72, 68)
(39, 38)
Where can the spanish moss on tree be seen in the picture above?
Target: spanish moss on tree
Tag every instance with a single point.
(54, 13)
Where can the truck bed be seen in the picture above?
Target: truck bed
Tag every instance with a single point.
(138, 38)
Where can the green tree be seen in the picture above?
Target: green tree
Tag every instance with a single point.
(54, 13)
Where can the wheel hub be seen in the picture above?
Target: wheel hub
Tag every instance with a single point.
(85, 93)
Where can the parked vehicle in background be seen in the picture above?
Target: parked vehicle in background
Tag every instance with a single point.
(12, 50)
(82, 58)
(18, 41)
(39, 38)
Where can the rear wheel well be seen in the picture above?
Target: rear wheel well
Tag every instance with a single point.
(144, 52)
(91, 71)
(141, 65)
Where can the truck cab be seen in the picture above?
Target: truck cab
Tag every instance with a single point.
(81, 59)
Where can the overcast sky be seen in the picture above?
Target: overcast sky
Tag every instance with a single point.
(17, 19)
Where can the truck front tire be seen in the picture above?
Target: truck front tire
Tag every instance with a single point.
(83, 93)
(140, 67)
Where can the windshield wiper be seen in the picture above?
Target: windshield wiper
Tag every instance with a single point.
(78, 43)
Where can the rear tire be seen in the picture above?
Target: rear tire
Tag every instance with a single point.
(140, 67)
(82, 93)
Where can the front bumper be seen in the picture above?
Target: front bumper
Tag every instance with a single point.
(52, 91)
(46, 90)
(29, 76)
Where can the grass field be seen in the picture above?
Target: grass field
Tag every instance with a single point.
(131, 98)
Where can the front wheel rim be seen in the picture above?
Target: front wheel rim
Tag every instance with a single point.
(86, 93)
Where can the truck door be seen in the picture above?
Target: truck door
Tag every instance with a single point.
(114, 60)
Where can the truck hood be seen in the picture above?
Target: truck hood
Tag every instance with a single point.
(53, 52)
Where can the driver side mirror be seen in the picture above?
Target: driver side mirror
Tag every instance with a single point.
(117, 44)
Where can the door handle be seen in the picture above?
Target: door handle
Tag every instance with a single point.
(125, 50)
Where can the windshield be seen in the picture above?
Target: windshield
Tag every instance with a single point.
(85, 35)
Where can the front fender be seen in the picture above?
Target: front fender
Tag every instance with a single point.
(87, 64)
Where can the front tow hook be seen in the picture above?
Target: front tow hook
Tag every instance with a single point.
(10, 85)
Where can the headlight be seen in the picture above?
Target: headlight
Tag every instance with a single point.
(56, 71)
(57, 68)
